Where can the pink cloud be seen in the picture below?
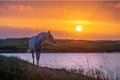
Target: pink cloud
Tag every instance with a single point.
(2, 10)
(12, 32)
(117, 5)
(20, 8)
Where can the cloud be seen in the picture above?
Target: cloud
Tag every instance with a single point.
(20, 8)
(117, 5)
(2, 10)
(14, 32)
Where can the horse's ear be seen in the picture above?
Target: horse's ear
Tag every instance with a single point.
(49, 32)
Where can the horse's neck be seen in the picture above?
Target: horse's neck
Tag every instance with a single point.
(41, 37)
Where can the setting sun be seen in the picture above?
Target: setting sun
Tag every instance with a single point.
(78, 28)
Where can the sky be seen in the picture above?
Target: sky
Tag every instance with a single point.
(100, 20)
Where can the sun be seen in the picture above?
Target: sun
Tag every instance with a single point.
(78, 28)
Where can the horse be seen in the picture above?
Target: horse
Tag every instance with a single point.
(36, 44)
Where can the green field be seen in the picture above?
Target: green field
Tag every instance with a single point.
(62, 45)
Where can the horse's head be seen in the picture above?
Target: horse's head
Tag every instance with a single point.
(50, 37)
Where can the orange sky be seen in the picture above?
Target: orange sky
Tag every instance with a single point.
(99, 19)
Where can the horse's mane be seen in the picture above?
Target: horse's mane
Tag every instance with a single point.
(41, 33)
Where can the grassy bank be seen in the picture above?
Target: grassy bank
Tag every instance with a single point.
(16, 69)
(21, 45)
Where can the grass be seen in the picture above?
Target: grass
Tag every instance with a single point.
(12, 68)
(62, 45)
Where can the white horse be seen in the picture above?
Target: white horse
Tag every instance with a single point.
(36, 44)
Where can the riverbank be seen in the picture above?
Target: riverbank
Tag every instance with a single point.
(12, 68)
(61, 46)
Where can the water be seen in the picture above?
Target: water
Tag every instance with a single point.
(106, 62)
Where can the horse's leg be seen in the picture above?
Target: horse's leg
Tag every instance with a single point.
(38, 57)
(33, 56)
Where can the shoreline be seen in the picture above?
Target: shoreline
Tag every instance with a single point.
(15, 67)
(14, 52)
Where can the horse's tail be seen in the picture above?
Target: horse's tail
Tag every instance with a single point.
(29, 50)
